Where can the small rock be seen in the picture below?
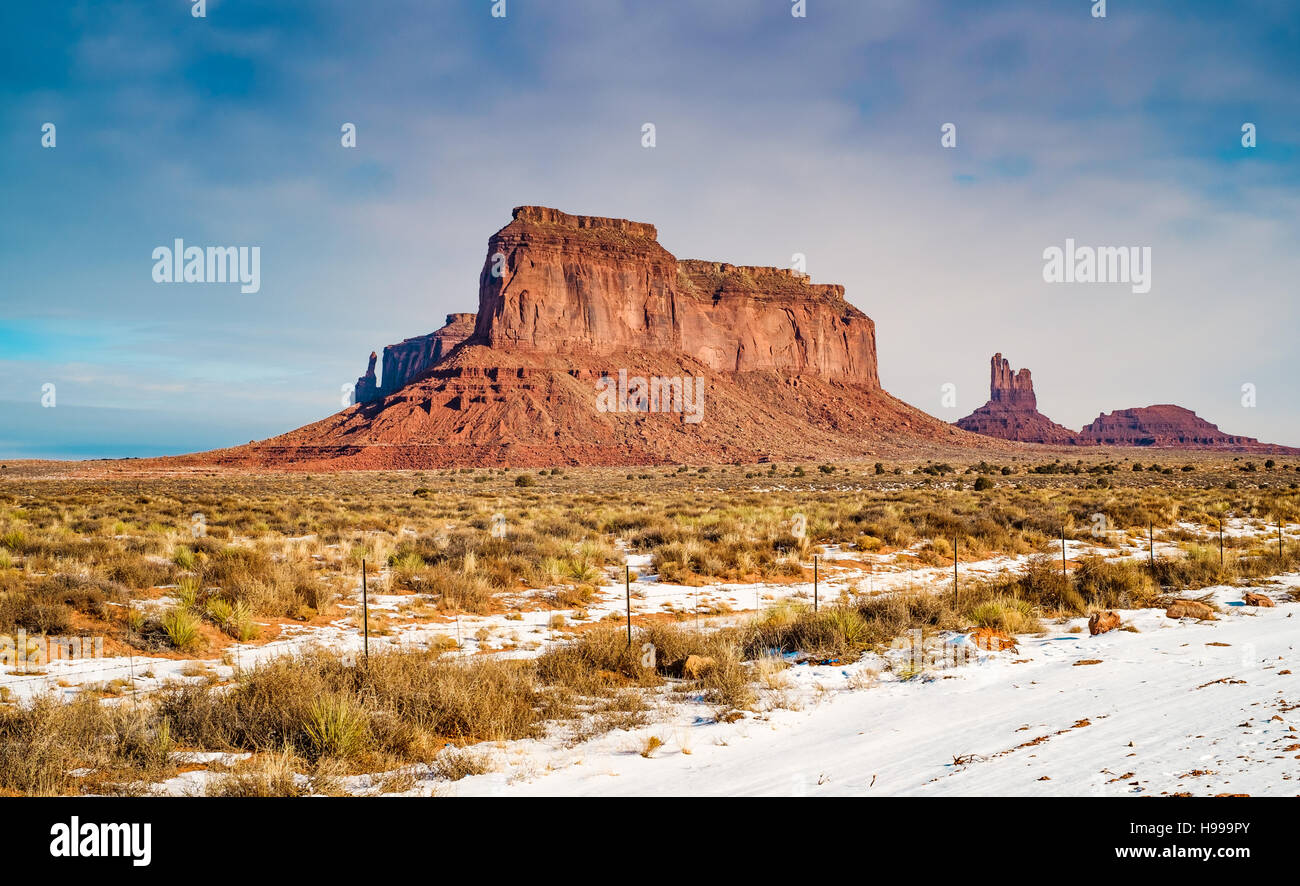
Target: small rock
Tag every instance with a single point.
(1101, 622)
(993, 640)
(1190, 609)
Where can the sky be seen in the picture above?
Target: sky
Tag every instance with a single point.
(775, 135)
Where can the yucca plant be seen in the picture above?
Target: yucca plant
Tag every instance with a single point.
(183, 557)
(336, 727)
(218, 611)
(241, 625)
(181, 627)
(187, 593)
(14, 540)
(405, 568)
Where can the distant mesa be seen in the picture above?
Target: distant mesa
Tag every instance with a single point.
(1012, 414)
(780, 368)
(1012, 411)
(1163, 425)
(564, 301)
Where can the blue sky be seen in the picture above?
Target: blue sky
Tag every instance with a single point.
(776, 135)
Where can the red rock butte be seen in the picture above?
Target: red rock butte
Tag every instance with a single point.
(788, 367)
(1012, 414)
(1012, 411)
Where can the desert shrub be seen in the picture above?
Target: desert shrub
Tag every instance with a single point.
(454, 764)
(1008, 614)
(33, 614)
(1043, 585)
(317, 704)
(405, 570)
(15, 540)
(181, 627)
(336, 726)
(457, 589)
(835, 631)
(87, 595)
(1115, 584)
(597, 660)
(44, 740)
(1199, 568)
(135, 571)
(266, 775)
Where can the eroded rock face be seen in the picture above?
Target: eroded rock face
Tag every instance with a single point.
(1012, 411)
(367, 385)
(1162, 425)
(566, 284)
(781, 368)
(409, 359)
(740, 319)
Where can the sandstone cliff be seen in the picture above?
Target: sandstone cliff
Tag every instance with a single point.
(569, 284)
(780, 367)
(1012, 411)
(1160, 425)
(408, 359)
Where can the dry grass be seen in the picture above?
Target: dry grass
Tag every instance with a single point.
(289, 547)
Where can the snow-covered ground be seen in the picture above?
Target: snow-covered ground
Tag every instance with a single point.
(1203, 708)
(1170, 707)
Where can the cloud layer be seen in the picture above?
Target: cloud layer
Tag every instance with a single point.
(775, 135)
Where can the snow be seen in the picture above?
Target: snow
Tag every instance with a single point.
(1171, 707)
(1161, 706)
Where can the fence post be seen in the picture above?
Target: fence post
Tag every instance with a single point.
(955, 597)
(1220, 542)
(1063, 575)
(627, 588)
(365, 614)
(130, 651)
(814, 583)
(1151, 544)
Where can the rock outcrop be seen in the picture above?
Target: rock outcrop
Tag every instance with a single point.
(367, 385)
(586, 286)
(571, 306)
(1012, 414)
(1163, 425)
(405, 361)
(1012, 410)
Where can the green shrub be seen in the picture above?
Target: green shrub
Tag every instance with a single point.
(181, 627)
(336, 726)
